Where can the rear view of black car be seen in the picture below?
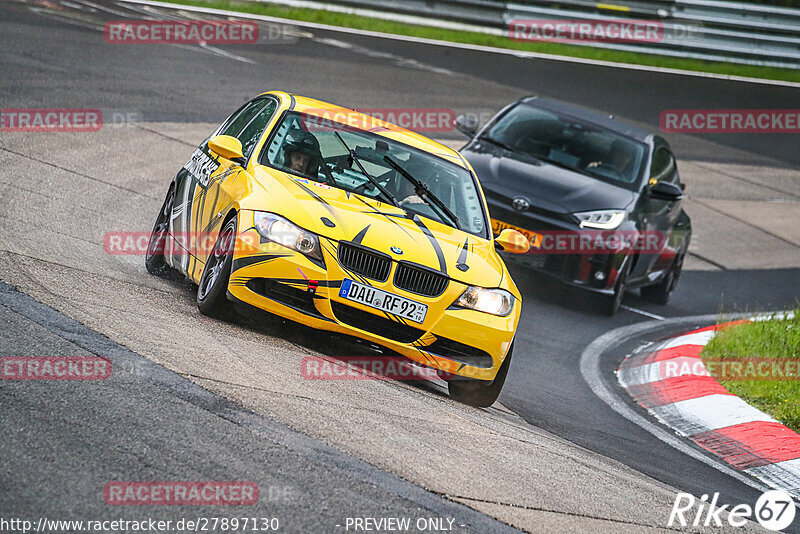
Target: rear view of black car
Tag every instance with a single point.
(600, 200)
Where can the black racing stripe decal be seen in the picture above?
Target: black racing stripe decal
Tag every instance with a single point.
(388, 216)
(462, 257)
(360, 236)
(247, 261)
(318, 199)
(435, 244)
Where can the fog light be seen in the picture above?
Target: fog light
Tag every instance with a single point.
(599, 276)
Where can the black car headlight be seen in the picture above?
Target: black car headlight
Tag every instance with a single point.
(494, 301)
(282, 231)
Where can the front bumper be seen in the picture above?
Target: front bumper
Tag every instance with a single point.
(453, 340)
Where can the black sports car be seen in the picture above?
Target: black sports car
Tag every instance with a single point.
(599, 199)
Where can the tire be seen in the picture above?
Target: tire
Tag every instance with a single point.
(480, 393)
(154, 258)
(212, 291)
(660, 292)
(611, 303)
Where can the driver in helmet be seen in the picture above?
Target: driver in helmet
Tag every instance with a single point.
(302, 155)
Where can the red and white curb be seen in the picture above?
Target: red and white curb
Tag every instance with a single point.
(671, 382)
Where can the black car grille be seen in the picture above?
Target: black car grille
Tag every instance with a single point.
(453, 350)
(419, 280)
(366, 262)
(375, 324)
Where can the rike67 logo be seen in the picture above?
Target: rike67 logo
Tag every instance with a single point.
(774, 510)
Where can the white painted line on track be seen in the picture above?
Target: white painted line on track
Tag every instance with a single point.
(642, 312)
(463, 46)
(590, 370)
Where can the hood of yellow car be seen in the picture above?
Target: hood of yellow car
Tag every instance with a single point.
(342, 216)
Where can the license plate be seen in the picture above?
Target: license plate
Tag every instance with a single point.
(534, 238)
(383, 300)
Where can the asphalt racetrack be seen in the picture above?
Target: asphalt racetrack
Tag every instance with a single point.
(197, 399)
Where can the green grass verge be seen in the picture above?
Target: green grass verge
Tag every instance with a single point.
(775, 338)
(476, 38)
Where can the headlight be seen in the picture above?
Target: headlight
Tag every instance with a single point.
(495, 301)
(601, 219)
(279, 230)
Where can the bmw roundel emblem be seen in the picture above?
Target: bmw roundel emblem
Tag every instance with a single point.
(396, 250)
(520, 203)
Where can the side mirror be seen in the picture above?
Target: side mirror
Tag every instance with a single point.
(467, 125)
(666, 191)
(513, 242)
(228, 147)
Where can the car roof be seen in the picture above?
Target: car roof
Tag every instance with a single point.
(593, 117)
(376, 126)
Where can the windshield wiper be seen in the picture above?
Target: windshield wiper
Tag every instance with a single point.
(422, 190)
(501, 144)
(374, 182)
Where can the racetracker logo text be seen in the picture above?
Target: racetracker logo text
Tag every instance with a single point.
(730, 120)
(180, 493)
(50, 120)
(428, 120)
(54, 368)
(180, 31)
(583, 31)
(363, 368)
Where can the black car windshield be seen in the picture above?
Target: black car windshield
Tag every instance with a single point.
(570, 143)
(308, 147)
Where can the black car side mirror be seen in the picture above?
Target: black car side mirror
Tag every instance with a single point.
(666, 191)
(466, 124)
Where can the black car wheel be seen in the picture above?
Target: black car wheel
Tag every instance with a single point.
(611, 303)
(154, 259)
(660, 292)
(480, 393)
(212, 299)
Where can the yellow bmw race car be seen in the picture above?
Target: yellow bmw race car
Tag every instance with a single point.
(343, 222)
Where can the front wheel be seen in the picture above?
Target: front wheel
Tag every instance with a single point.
(480, 393)
(212, 292)
(611, 303)
(660, 292)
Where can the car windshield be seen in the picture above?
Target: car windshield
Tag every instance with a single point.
(316, 148)
(569, 143)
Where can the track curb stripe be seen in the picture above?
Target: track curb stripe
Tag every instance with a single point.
(669, 380)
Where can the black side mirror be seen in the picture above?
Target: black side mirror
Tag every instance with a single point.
(467, 124)
(666, 191)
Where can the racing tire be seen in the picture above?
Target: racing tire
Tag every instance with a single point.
(480, 393)
(659, 293)
(212, 291)
(154, 258)
(611, 303)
